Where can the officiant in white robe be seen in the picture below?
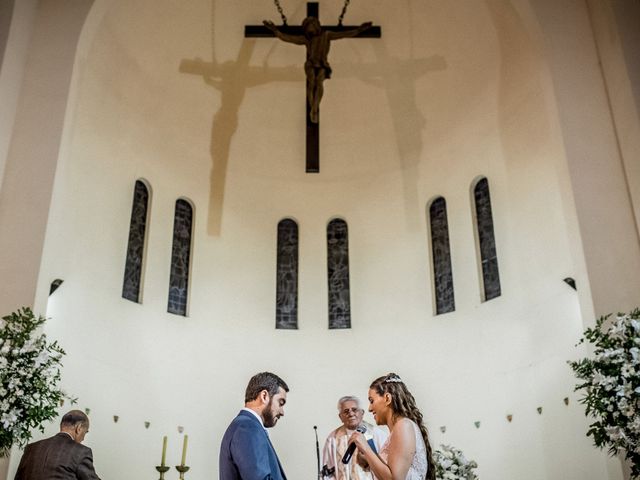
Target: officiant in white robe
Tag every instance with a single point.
(350, 413)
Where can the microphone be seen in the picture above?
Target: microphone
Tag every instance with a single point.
(352, 446)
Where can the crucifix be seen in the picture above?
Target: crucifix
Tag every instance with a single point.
(317, 39)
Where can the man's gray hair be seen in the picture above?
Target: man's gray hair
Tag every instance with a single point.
(70, 419)
(348, 398)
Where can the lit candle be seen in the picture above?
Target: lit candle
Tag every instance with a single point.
(164, 450)
(184, 450)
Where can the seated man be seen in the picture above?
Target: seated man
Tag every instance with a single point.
(62, 456)
(350, 413)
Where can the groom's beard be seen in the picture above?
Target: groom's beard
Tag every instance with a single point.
(268, 417)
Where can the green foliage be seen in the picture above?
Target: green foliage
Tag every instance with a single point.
(610, 383)
(29, 377)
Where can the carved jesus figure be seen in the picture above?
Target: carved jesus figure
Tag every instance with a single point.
(316, 67)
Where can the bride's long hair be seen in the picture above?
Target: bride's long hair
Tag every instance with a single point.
(404, 405)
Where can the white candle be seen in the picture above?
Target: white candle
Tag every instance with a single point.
(184, 450)
(164, 450)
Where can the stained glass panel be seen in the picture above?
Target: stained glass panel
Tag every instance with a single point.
(287, 275)
(441, 254)
(135, 249)
(338, 274)
(180, 258)
(487, 241)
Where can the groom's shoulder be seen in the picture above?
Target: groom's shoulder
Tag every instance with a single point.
(242, 427)
(245, 420)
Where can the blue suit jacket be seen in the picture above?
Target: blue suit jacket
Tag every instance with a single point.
(246, 453)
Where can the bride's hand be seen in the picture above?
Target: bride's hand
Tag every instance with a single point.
(360, 441)
(362, 461)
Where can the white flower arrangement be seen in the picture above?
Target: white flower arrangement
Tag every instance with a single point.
(610, 381)
(29, 377)
(451, 464)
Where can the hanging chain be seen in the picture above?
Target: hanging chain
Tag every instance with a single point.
(284, 19)
(344, 11)
(340, 18)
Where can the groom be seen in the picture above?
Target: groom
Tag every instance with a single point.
(246, 453)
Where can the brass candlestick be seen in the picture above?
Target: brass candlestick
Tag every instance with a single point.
(182, 469)
(162, 469)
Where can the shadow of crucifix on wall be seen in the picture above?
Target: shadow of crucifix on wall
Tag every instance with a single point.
(231, 79)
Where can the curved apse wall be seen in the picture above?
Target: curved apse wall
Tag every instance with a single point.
(176, 95)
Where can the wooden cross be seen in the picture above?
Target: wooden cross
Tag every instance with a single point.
(313, 128)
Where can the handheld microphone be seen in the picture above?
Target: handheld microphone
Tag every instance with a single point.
(352, 446)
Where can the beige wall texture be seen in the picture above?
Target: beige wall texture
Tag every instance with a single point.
(173, 94)
(35, 71)
(16, 27)
(35, 135)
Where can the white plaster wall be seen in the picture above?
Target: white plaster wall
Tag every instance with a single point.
(13, 43)
(13, 59)
(35, 139)
(621, 75)
(594, 155)
(452, 91)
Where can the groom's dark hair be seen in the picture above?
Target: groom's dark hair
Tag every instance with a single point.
(264, 381)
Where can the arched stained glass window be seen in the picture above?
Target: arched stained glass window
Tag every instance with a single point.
(134, 263)
(441, 257)
(486, 240)
(338, 274)
(287, 275)
(180, 258)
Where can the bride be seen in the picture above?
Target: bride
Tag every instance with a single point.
(406, 455)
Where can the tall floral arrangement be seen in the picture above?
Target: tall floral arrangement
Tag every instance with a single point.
(610, 382)
(29, 377)
(451, 464)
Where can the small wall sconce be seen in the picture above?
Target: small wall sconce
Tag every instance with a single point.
(54, 285)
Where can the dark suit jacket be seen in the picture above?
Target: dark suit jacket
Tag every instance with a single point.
(246, 453)
(56, 458)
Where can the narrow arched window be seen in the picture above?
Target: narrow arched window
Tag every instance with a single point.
(134, 263)
(441, 257)
(338, 274)
(287, 275)
(486, 241)
(180, 258)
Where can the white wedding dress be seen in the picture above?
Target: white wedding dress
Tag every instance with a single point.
(418, 468)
